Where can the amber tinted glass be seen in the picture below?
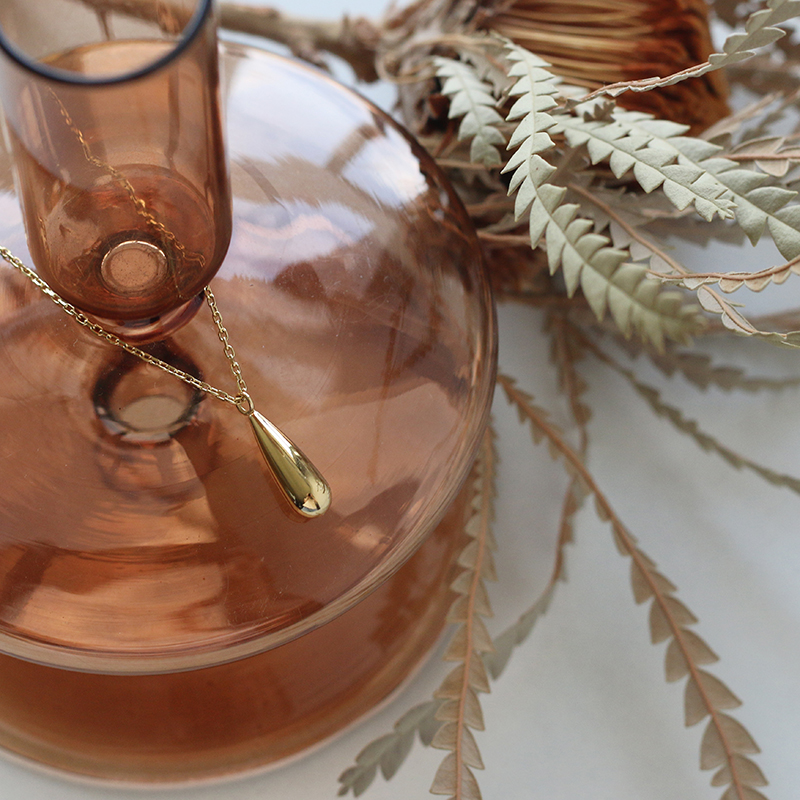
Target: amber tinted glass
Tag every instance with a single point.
(114, 122)
(354, 294)
(215, 721)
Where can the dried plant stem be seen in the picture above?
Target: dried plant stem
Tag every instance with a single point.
(567, 348)
(730, 281)
(656, 586)
(460, 709)
(353, 40)
(515, 240)
(785, 155)
(647, 83)
(631, 231)
(486, 490)
(710, 299)
(457, 163)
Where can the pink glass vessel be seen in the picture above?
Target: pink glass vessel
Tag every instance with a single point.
(146, 557)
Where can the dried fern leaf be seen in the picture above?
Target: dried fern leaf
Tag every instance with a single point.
(760, 31)
(735, 321)
(623, 215)
(771, 154)
(731, 125)
(657, 153)
(460, 711)
(704, 440)
(471, 100)
(699, 370)
(567, 349)
(456, 701)
(587, 259)
(724, 738)
(655, 315)
(535, 90)
(665, 156)
(518, 632)
(388, 752)
(759, 205)
(638, 307)
(755, 777)
(709, 299)
(449, 774)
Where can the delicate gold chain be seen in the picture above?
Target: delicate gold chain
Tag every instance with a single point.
(241, 400)
(297, 477)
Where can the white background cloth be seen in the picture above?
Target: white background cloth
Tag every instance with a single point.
(583, 710)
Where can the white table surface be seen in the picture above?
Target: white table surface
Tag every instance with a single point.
(583, 710)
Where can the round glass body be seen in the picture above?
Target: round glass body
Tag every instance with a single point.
(245, 714)
(355, 299)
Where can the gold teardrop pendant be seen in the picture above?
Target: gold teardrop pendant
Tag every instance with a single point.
(298, 478)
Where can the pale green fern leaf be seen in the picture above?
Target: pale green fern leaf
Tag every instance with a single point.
(389, 751)
(757, 206)
(760, 31)
(586, 258)
(761, 207)
(535, 90)
(471, 100)
(638, 305)
(657, 154)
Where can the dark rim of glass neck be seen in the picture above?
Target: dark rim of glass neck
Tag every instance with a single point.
(200, 16)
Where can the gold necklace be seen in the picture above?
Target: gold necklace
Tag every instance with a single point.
(298, 478)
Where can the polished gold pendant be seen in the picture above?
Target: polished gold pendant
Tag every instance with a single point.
(297, 477)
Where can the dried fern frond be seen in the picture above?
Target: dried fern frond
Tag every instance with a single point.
(726, 744)
(657, 152)
(567, 349)
(472, 102)
(733, 320)
(729, 282)
(446, 722)
(775, 155)
(388, 752)
(702, 372)
(606, 277)
(659, 156)
(691, 428)
(460, 712)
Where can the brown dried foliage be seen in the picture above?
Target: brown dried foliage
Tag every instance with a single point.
(595, 42)
(460, 712)
(726, 745)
